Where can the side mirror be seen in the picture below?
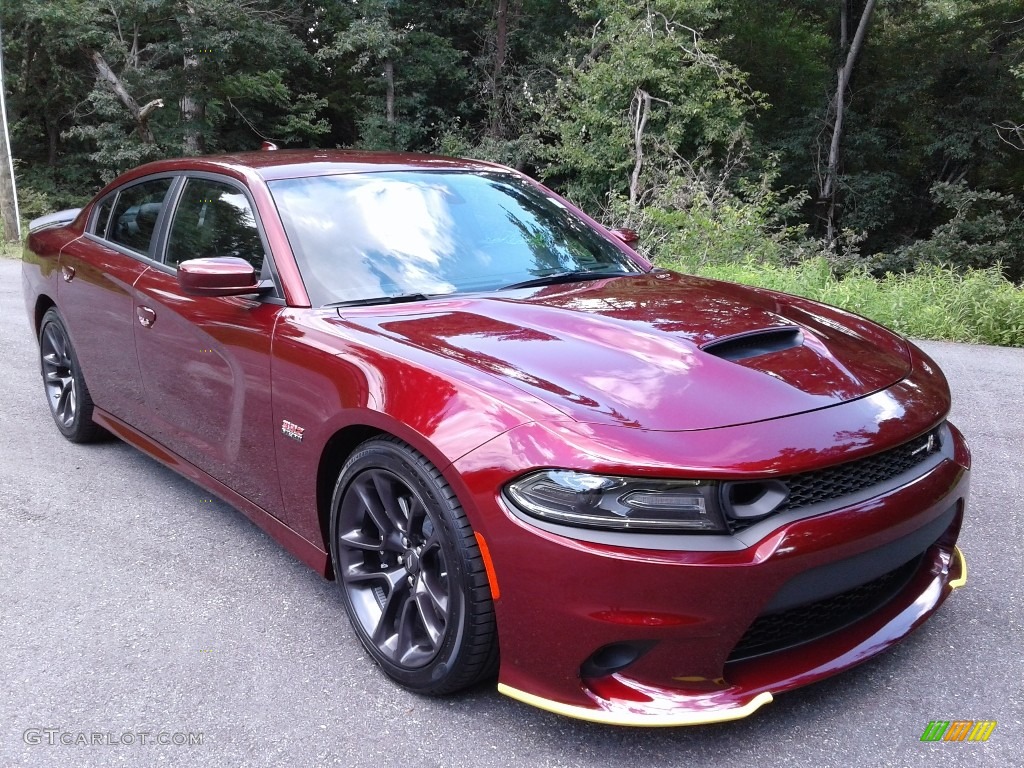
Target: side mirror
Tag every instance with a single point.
(628, 236)
(221, 276)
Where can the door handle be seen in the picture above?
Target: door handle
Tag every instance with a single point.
(68, 273)
(146, 316)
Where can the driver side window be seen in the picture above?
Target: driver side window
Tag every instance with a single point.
(214, 219)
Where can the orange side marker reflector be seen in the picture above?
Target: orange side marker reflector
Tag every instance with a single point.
(485, 553)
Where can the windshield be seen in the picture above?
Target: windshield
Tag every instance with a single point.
(363, 236)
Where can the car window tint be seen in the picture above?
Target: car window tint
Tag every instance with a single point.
(133, 220)
(214, 219)
(103, 216)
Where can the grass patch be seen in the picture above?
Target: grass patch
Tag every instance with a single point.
(10, 250)
(979, 306)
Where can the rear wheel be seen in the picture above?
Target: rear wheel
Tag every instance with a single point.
(411, 573)
(66, 392)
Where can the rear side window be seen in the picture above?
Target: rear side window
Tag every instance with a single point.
(103, 216)
(135, 214)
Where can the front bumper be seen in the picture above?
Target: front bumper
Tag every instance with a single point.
(625, 702)
(564, 600)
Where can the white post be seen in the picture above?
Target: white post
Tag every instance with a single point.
(8, 161)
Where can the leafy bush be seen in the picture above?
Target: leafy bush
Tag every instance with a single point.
(41, 190)
(984, 229)
(935, 302)
(712, 211)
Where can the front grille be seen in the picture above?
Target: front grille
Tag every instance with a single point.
(825, 484)
(832, 483)
(778, 631)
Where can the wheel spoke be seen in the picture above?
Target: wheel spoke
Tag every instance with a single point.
(412, 645)
(62, 404)
(65, 402)
(372, 504)
(358, 539)
(416, 514)
(360, 574)
(435, 591)
(431, 618)
(395, 506)
(390, 616)
(51, 337)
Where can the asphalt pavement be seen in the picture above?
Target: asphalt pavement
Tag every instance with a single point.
(135, 608)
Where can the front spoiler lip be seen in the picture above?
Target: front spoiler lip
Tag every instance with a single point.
(703, 710)
(675, 708)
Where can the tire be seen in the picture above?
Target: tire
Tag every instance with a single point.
(410, 571)
(66, 392)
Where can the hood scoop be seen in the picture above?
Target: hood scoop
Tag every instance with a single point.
(755, 343)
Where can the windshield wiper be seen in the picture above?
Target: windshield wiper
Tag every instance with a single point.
(397, 299)
(562, 277)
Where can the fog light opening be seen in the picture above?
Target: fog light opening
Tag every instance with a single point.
(613, 658)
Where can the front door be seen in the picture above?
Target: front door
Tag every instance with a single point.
(205, 361)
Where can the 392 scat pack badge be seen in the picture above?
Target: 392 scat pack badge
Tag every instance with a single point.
(634, 496)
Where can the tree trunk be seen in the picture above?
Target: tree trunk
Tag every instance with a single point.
(640, 111)
(8, 199)
(500, 54)
(191, 116)
(830, 187)
(139, 114)
(52, 139)
(8, 211)
(389, 106)
(191, 109)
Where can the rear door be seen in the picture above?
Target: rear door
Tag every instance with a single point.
(95, 293)
(205, 361)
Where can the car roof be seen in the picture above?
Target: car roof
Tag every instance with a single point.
(298, 163)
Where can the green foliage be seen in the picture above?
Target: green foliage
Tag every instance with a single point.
(40, 194)
(698, 101)
(711, 213)
(984, 228)
(934, 80)
(977, 306)
(401, 51)
(244, 66)
(8, 250)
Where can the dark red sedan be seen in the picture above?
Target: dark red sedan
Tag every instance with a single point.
(665, 498)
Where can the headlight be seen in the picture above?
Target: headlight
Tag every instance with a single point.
(618, 503)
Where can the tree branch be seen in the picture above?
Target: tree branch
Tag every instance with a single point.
(1010, 133)
(139, 115)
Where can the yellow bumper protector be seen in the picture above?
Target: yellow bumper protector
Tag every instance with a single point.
(957, 583)
(633, 718)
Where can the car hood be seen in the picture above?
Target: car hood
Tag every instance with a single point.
(658, 351)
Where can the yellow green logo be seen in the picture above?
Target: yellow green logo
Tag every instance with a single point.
(958, 730)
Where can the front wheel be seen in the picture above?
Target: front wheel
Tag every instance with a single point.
(411, 573)
(66, 392)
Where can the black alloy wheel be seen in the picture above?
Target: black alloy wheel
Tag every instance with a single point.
(66, 393)
(412, 578)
